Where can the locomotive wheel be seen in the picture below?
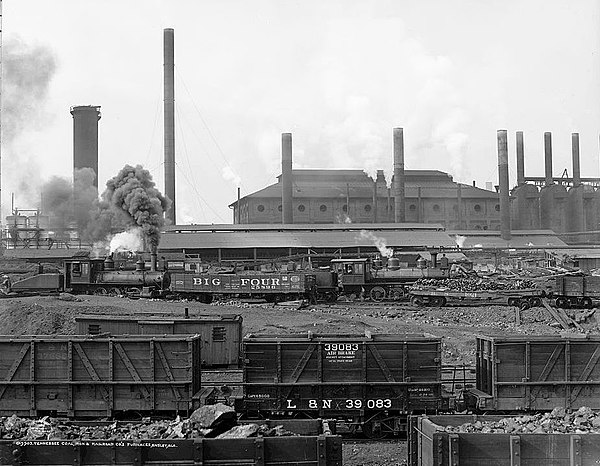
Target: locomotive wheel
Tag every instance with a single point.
(100, 291)
(397, 294)
(587, 303)
(512, 301)
(524, 304)
(114, 291)
(133, 292)
(377, 293)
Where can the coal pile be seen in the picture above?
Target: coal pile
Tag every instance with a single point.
(559, 421)
(209, 421)
(474, 284)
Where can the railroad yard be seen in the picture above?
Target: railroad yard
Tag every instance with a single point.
(457, 326)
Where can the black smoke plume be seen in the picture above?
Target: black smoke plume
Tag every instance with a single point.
(131, 199)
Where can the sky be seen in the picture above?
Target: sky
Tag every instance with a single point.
(338, 74)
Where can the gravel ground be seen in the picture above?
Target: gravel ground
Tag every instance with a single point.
(456, 325)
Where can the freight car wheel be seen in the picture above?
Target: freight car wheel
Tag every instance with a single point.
(562, 302)
(587, 303)
(524, 304)
(100, 291)
(375, 428)
(535, 301)
(416, 301)
(438, 301)
(114, 291)
(377, 293)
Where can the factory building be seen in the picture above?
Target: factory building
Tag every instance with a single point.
(343, 196)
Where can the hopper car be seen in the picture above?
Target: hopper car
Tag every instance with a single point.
(578, 291)
(438, 297)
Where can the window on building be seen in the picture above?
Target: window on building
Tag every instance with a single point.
(368, 208)
(497, 207)
(455, 208)
(345, 208)
(279, 207)
(485, 227)
(260, 208)
(477, 208)
(301, 208)
(323, 208)
(412, 207)
(436, 208)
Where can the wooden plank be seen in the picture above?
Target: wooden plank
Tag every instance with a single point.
(15, 366)
(163, 360)
(381, 363)
(131, 368)
(550, 363)
(90, 369)
(297, 372)
(586, 372)
(555, 314)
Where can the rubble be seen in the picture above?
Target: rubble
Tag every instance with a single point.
(582, 421)
(47, 428)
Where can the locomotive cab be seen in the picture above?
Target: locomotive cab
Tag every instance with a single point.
(351, 272)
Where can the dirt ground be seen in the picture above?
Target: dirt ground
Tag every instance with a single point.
(456, 325)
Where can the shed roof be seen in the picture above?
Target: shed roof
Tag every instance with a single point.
(520, 238)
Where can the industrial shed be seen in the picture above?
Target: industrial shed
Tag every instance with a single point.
(224, 243)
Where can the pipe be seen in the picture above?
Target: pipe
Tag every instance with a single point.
(520, 159)
(239, 215)
(286, 178)
(504, 187)
(548, 158)
(169, 120)
(375, 201)
(153, 258)
(399, 207)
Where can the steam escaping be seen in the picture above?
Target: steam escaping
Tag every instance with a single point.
(27, 72)
(378, 242)
(229, 175)
(130, 240)
(131, 199)
(460, 240)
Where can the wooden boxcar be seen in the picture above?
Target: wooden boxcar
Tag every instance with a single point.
(576, 290)
(373, 380)
(271, 286)
(85, 377)
(430, 445)
(517, 373)
(260, 451)
(220, 336)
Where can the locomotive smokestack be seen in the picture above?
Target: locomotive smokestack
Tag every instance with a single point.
(520, 159)
(286, 178)
(85, 138)
(503, 181)
(548, 158)
(399, 210)
(169, 120)
(153, 257)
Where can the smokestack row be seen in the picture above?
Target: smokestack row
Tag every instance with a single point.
(399, 180)
(503, 182)
(85, 138)
(286, 179)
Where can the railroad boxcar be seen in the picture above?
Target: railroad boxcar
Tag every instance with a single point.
(430, 445)
(575, 290)
(220, 336)
(88, 377)
(323, 450)
(536, 373)
(372, 380)
(271, 286)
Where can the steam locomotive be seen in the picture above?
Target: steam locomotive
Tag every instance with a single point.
(365, 278)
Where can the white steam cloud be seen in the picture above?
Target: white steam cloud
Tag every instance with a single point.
(378, 242)
(460, 240)
(130, 240)
(229, 175)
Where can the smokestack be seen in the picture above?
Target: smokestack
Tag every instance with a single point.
(85, 138)
(169, 120)
(459, 206)
(153, 257)
(548, 158)
(520, 159)
(399, 211)
(503, 181)
(374, 201)
(238, 216)
(576, 166)
(286, 178)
